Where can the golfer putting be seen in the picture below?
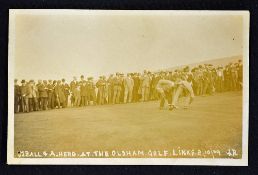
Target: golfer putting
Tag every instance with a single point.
(165, 89)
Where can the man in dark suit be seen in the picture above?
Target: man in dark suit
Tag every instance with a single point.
(29, 96)
(39, 99)
(101, 87)
(51, 98)
(73, 86)
(23, 91)
(83, 93)
(117, 88)
(59, 94)
(66, 88)
(110, 88)
(136, 86)
(17, 96)
(91, 89)
(43, 94)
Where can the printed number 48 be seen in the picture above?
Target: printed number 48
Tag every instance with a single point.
(232, 153)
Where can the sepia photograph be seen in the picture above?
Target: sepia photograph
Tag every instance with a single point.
(128, 87)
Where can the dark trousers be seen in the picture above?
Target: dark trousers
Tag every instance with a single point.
(110, 94)
(66, 101)
(24, 104)
(16, 104)
(72, 100)
(219, 84)
(135, 94)
(40, 103)
(92, 96)
(167, 96)
(30, 104)
(51, 101)
(83, 101)
(35, 104)
(44, 102)
(116, 94)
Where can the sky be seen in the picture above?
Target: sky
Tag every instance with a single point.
(55, 46)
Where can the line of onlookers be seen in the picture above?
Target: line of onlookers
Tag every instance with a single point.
(120, 88)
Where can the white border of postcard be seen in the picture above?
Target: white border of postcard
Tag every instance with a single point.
(128, 161)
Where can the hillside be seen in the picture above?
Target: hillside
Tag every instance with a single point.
(215, 62)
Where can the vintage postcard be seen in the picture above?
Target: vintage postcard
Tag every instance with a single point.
(128, 87)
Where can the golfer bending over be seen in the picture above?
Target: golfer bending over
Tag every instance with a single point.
(165, 89)
(186, 85)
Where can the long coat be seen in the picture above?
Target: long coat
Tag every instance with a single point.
(59, 93)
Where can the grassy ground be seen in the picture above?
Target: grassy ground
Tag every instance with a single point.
(211, 123)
